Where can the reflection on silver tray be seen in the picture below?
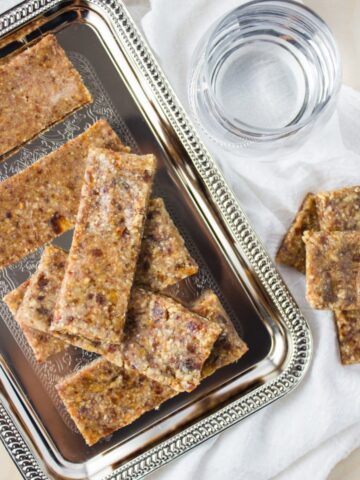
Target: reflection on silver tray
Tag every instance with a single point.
(131, 92)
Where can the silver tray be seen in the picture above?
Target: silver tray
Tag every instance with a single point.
(132, 93)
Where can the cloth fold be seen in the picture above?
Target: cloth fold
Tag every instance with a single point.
(306, 433)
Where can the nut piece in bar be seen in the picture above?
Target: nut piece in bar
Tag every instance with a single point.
(348, 329)
(228, 347)
(164, 258)
(292, 249)
(332, 263)
(94, 295)
(102, 398)
(38, 87)
(340, 209)
(41, 202)
(42, 345)
(165, 341)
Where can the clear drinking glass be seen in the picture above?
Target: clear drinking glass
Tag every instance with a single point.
(266, 71)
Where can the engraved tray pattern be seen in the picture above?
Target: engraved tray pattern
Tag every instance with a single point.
(238, 224)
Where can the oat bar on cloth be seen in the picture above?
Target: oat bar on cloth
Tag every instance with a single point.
(228, 347)
(339, 209)
(42, 201)
(164, 258)
(292, 249)
(348, 330)
(42, 345)
(38, 87)
(102, 398)
(332, 264)
(99, 274)
(165, 341)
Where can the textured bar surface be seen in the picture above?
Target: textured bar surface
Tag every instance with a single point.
(101, 266)
(348, 329)
(292, 249)
(340, 209)
(164, 258)
(165, 341)
(228, 347)
(38, 87)
(102, 398)
(42, 345)
(37, 307)
(42, 201)
(332, 263)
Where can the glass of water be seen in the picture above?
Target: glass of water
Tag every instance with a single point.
(264, 74)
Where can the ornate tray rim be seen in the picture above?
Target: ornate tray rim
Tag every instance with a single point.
(296, 326)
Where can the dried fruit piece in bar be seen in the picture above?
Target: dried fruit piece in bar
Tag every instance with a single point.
(42, 201)
(228, 347)
(164, 258)
(339, 209)
(165, 341)
(38, 87)
(332, 263)
(42, 345)
(102, 398)
(348, 329)
(101, 266)
(292, 249)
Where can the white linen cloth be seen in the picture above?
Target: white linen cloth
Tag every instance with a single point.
(306, 433)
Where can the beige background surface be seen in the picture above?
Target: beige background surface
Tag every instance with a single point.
(344, 18)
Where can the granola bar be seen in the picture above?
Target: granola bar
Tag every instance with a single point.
(332, 262)
(37, 308)
(348, 328)
(292, 249)
(42, 201)
(98, 278)
(340, 209)
(42, 345)
(38, 87)
(165, 341)
(102, 398)
(164, 258)
(228, 347)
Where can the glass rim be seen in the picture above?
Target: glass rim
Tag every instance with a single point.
(250, 132)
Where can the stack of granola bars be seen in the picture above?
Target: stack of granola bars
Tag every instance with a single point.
(107, 294)
(324, 242)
